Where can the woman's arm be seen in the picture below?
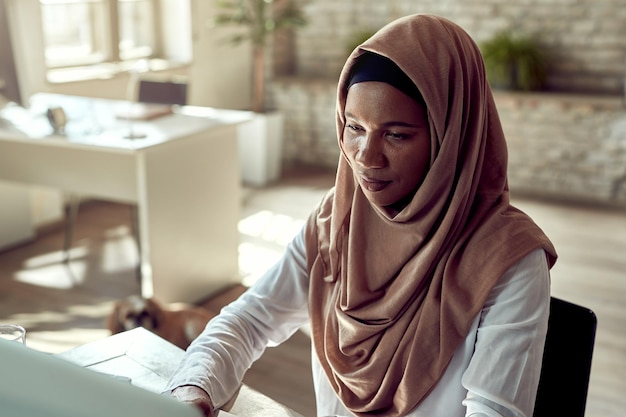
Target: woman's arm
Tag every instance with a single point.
(268, 313)
(503, 374)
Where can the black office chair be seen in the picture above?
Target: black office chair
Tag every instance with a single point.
(566, 368)
(162, 92)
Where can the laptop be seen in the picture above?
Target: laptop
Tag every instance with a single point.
(37, 384)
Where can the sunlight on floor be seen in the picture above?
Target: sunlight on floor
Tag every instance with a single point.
(53, 258)
(254, 261)
(50, 271)
(267, 234)
(119, 251)
(271, 227)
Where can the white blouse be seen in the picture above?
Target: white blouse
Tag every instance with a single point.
(495, 372)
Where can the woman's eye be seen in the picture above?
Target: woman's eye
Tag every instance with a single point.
(396, 135)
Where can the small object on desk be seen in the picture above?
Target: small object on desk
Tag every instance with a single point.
(13, 332)
(57, 118)
(143, 111)
(132, 134)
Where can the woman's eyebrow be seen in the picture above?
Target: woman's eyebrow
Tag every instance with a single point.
(387, 124)
(402, 124)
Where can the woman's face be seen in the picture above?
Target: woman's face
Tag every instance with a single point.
(387, 142)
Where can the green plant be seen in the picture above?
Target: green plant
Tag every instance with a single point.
(514, 62)
(261, 18)
(357, 38)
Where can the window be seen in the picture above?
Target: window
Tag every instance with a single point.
(88, 32)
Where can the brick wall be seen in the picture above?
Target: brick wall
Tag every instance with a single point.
(566, 146)
(586, 39)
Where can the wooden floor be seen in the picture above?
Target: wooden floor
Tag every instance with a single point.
(65, 305)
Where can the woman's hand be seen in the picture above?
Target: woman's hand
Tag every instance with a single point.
(195, 396)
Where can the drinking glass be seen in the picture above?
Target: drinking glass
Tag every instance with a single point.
(13, 332)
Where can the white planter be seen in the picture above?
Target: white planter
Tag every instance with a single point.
(260, 148)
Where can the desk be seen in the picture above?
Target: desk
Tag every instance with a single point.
(149, 360)
(183, 175)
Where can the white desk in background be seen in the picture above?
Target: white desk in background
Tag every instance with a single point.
(183, 175)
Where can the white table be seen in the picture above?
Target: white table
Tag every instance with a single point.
(148, 361)
(184, 177)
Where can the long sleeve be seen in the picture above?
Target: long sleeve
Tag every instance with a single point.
(503, 374)
(267, 314)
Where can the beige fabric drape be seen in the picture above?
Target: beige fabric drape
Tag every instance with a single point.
(392, 298)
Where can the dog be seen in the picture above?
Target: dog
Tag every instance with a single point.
(179, 323)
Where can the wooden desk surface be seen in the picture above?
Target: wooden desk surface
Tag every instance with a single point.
(148, 361)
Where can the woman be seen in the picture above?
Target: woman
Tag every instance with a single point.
(427, 292)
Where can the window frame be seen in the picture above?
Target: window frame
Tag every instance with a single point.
(108, 36)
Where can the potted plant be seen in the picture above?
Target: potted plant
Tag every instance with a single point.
(260, 19)
(514, 62)
(260, 158)
(357, 37)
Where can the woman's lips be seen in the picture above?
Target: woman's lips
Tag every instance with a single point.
(373, 185)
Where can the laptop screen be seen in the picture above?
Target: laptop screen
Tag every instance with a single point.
(37, 384)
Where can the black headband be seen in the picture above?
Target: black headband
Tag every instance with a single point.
(374, 67)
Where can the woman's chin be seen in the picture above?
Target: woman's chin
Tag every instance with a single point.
(379, 200)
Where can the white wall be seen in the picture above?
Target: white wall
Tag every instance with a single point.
(221, 74)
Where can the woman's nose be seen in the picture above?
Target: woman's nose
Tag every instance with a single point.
(370, 152)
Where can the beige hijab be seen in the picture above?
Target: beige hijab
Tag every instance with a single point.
(391, 299)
